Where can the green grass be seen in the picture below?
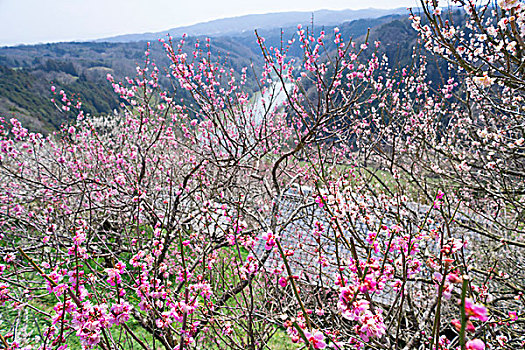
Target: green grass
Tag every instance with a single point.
(281, 341)
(29, 323)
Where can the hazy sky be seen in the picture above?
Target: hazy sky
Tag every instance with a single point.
(35, 21)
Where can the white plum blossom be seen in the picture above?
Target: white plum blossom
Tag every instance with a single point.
(508, 4)
(484, 81)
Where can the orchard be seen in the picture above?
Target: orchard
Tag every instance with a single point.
(370, 209)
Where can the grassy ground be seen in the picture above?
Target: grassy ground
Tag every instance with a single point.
(27, 324)
(281, 341)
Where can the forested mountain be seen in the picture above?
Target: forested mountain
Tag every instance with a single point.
(235, 26)
(80, 69)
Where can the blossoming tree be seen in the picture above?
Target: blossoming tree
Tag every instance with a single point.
(371, 211)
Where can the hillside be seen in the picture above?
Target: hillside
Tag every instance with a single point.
(80, 69)
(358, 187)
(244, 25)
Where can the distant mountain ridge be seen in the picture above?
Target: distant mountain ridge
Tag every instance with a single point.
(236, 26)
(80, 68)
